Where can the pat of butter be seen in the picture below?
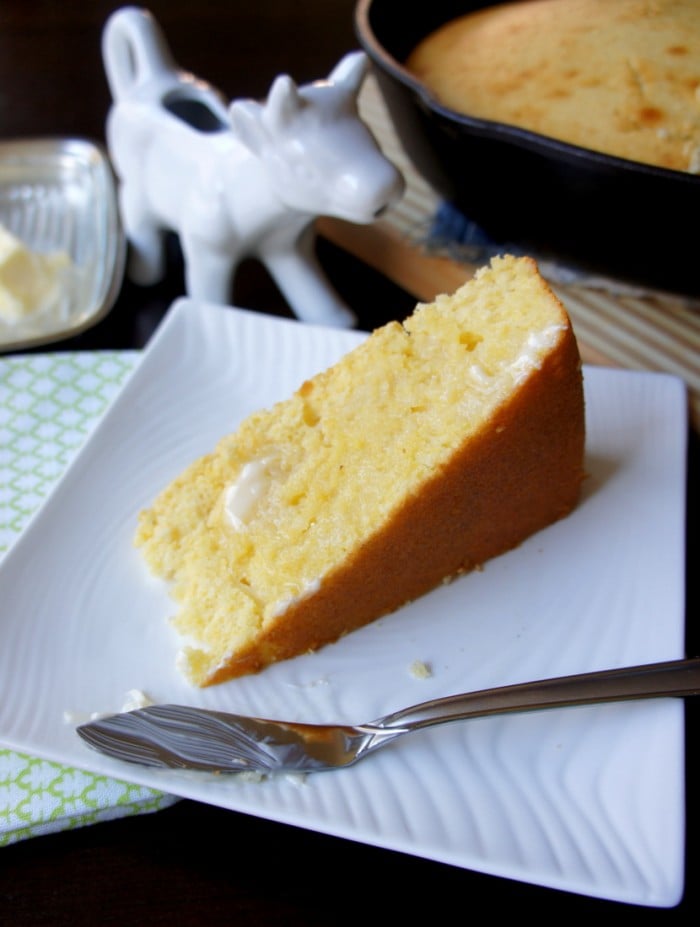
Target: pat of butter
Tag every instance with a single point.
(29, 281)
(243, 495)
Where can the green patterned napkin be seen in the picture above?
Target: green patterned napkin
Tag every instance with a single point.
(49, 404)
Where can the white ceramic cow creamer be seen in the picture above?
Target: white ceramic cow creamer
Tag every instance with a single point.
(241, 180)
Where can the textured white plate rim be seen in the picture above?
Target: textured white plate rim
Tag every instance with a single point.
(313, 686)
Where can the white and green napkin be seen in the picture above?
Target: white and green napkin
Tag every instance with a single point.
(49, 404)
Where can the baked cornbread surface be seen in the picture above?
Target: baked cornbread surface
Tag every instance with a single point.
(431, 447)
(620, 77)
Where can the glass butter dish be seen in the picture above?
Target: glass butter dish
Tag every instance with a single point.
(58, 199)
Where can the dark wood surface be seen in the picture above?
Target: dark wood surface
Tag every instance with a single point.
(192, 863)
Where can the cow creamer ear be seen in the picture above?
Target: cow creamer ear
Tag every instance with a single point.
(283, 103)
(350, 70)
(247, 125)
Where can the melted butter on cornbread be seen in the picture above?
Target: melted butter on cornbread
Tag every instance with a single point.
(360, 491)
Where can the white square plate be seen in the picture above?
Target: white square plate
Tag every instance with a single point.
(588, 800)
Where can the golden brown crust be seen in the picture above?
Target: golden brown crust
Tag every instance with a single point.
(618, 77)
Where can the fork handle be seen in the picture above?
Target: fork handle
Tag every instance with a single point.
(650, 680)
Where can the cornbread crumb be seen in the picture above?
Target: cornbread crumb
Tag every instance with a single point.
(135, 698)
(428, 449)
(421, 670)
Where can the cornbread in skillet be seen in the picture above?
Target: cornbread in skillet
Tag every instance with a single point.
(620, 77)
(433, 446)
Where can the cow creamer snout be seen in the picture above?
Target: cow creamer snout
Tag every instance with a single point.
(387, 190)
(241, 180)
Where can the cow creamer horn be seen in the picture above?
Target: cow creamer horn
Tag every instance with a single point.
(239, 180)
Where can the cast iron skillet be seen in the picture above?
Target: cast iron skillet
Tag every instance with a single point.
(608, 215)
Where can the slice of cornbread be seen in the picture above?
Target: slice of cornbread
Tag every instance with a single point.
(429, 448)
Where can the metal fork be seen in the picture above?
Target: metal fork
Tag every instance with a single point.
(177, 736)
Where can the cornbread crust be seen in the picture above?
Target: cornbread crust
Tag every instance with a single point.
(619, 77)
(518, 469)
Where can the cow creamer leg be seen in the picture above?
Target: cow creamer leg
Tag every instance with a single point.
(147, 246)
(147, 257)
(208, 272)
(304, 285)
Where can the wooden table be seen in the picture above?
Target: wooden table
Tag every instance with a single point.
(191, 863)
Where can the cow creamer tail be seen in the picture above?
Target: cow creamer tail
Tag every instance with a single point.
(135, 52)
(240, 180)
